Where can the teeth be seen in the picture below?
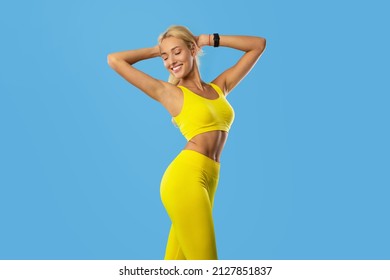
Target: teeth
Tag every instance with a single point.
(176, 68)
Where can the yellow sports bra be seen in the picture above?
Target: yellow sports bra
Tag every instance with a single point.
(200, 114)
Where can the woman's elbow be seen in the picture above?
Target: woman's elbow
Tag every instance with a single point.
(111, 60)
(261, 44)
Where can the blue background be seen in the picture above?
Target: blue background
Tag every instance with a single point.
(305, 172)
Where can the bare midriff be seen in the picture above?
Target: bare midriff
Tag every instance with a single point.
(209, 144)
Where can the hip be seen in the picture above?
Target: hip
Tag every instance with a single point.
(191, 167)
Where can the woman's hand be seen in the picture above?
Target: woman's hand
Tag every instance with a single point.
(203, 40)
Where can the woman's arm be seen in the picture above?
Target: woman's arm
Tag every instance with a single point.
(122, 63)
(253, 48)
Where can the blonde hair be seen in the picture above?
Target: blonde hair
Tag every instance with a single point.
(181, 32)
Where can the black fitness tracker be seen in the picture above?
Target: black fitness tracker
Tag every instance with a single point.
(216, 40)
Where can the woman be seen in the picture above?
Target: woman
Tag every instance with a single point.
(204, 116)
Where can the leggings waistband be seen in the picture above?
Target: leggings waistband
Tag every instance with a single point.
(197, 159)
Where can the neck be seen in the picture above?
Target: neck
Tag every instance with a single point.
(193, 79)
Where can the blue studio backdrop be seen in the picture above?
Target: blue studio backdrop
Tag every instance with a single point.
(304, 174)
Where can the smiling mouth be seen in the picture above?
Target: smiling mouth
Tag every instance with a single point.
(176, 68)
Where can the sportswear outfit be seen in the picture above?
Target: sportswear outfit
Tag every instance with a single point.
(189, 183)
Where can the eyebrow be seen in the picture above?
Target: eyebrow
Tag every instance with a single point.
(171, 50)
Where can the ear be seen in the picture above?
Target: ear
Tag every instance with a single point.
(194, 50)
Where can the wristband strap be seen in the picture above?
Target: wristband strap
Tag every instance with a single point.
(216, 40)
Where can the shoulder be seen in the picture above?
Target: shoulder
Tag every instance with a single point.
(217, 88)
(219, 85)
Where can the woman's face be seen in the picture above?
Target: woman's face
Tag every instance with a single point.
(177, 57)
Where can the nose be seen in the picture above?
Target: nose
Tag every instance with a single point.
(171, 60)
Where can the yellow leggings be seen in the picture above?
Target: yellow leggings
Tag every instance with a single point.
(187, 192)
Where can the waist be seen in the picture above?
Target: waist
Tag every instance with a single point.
(209, 144)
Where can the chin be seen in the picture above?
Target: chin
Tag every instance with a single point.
(178, 75)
